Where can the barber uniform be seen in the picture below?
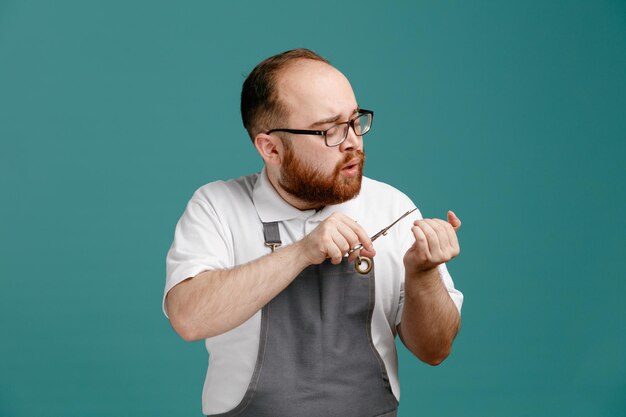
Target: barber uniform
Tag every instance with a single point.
(324, 346)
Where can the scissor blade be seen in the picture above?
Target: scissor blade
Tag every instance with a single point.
(382, 232)
(386, 229)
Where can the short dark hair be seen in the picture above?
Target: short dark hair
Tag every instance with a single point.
(260, 104)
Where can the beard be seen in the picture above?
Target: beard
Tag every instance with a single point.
(308, 184)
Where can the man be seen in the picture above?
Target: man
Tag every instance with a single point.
(258, 265)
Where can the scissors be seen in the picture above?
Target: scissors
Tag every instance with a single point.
(364, 260)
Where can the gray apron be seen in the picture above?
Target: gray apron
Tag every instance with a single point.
(316, 357)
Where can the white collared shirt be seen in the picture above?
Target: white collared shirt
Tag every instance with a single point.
(222, 228)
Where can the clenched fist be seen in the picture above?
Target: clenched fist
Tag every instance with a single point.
(435, 243)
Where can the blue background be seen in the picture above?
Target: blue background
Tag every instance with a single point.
(511, 113)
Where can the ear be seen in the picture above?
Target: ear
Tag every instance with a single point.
(270, 148)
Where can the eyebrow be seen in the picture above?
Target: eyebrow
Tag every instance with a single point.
(331, 119)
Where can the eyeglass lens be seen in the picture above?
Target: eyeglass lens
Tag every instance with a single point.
(337, 134)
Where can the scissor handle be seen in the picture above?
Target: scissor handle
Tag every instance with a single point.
(355, 248)
(359, 263)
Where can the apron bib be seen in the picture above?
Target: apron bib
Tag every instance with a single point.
(316, 357)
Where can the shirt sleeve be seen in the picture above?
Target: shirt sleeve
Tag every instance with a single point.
(200, 244)
(455, 295)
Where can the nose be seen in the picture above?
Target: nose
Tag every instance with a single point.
(352, 142)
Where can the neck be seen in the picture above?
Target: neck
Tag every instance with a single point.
(290, 199)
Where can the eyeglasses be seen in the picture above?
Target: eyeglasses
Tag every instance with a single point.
(361, 124)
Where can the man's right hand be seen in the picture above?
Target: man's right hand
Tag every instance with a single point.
(333, 238)
(216, 301)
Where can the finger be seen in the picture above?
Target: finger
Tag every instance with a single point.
(348, 234)
(421, 241)
(454, 220)
(441, 227)
(334, 254)
(431, 235)
(445, 249)
(451, 235)
(353, 241)
(338, 247)
(361, 252)
(340, 235)
(355, 253)
(362, 236)
(370, 253)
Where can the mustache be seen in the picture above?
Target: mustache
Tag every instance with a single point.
(353, 154)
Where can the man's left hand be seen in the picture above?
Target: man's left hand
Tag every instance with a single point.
(435, 243)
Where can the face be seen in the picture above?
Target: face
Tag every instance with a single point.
(318, 96)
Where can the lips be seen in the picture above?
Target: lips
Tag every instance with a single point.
(352, 164)
(352, 168)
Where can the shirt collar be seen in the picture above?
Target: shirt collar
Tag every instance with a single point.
(271, 207)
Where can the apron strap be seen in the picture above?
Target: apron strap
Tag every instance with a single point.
(271, 235)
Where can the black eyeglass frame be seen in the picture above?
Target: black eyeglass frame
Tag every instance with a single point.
(360, 113)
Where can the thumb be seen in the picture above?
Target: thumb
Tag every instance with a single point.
(454, 221)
